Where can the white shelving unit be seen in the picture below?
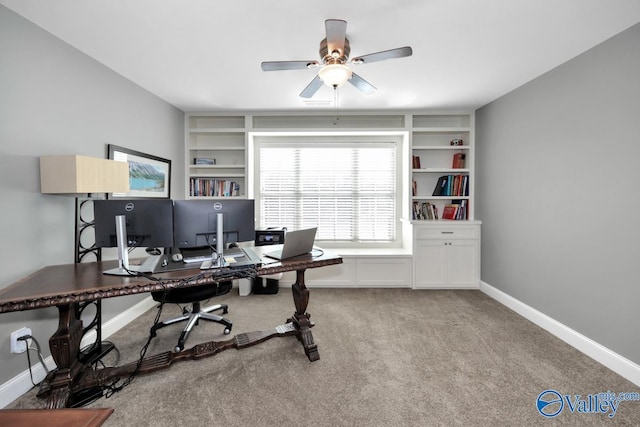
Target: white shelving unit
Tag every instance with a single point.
(431, 137)
(221, 139)
(438, 254)
(446, 253)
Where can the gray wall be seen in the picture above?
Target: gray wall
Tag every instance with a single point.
(557, 193)
(56, 100)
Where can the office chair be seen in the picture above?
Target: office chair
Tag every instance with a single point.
(194, 295)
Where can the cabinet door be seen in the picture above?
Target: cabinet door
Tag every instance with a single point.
(430, 264)
(462, 263)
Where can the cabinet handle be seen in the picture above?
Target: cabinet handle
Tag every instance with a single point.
(446, 232)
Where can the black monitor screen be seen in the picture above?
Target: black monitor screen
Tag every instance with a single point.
(149, 222)
(195, 222)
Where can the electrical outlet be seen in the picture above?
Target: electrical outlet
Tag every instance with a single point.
(19, 346)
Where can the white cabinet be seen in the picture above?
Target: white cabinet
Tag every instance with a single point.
(447, 255)
(360, 272)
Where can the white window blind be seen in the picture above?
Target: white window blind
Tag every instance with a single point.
(348, 190)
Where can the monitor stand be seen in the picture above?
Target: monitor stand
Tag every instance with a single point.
(124, 268)
(219, 262)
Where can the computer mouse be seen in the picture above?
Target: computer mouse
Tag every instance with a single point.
(176, 257)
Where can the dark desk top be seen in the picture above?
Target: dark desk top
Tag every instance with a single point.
(68, 283)
(54, 417)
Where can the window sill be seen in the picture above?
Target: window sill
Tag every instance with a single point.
(370, 252)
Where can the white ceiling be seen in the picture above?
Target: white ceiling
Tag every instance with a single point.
(205, 55)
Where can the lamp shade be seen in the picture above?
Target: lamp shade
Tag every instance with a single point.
(80, 174)
(335, 75)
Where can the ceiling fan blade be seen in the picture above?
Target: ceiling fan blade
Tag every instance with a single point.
(336, 34)
(399, 52)
(312, 88)
(361, 84)
(288, 65)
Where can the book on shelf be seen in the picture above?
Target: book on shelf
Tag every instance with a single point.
(441, 186)
(456, 210)
(432, 211)
(212, 187)
(461, 213)
(450, 211)
(452, 185)
(414, 188)
(416, 162)
(425, 210)
(204, 161)
(459, 160)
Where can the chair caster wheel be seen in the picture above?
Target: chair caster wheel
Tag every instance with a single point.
(177, 349)
(227, 331)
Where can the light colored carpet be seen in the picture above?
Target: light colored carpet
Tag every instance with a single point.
(388, 357)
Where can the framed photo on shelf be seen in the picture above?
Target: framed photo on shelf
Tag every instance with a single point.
(149, 176)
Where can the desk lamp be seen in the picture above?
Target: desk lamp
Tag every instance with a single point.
(78, 176)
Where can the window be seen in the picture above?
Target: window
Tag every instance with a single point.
(348, 188)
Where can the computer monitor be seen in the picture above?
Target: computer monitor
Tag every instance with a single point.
(195, 222)
(149, 222)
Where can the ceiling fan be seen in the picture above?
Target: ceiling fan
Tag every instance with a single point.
(334, 53)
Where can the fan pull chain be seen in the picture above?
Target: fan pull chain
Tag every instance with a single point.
(335, 102)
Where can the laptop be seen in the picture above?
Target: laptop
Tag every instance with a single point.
(298, 242)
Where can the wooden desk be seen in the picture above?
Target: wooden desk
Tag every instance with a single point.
(65, 286)
(54, 417)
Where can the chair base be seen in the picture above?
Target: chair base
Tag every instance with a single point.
(192, 318)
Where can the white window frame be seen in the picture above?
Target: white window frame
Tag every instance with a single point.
(400, 139)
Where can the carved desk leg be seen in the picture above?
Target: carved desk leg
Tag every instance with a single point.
(64, 345)
(301, 318)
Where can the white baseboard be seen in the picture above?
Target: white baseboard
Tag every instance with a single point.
(21, 383)
(612, 360)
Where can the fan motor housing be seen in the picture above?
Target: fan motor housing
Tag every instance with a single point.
(328, 58)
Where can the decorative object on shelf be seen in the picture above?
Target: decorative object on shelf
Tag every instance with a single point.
(457, 141)
(204, 161)
(149, 176)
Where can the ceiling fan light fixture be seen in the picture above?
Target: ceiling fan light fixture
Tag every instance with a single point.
(335, 75)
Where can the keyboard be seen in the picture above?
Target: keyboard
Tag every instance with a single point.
(231, 252)
(148, 265)
(199, 258)
(209, 264)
